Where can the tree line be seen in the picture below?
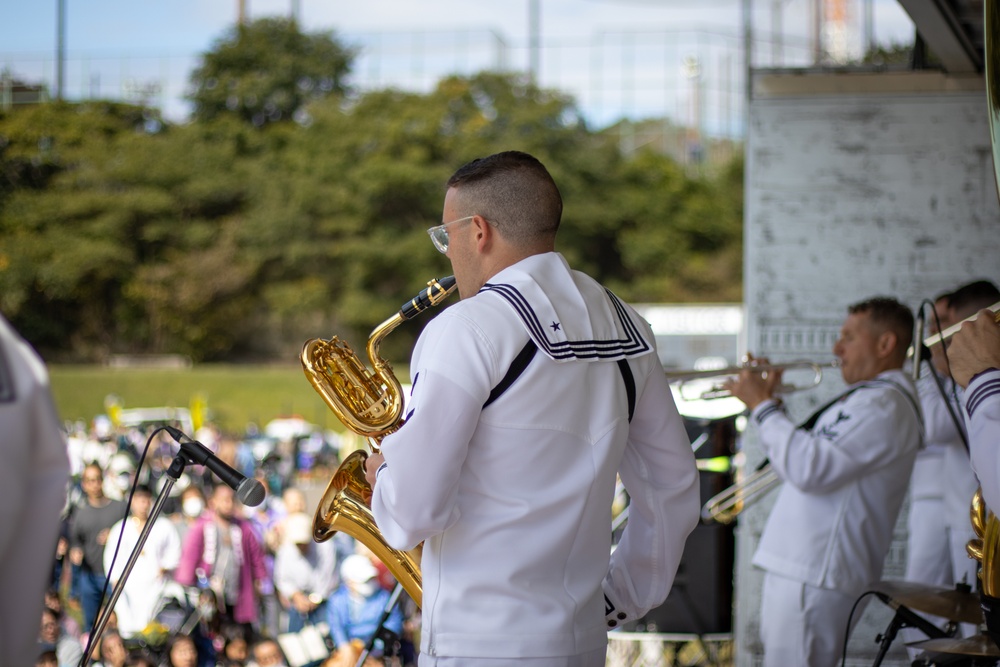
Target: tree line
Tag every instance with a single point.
(291, 206)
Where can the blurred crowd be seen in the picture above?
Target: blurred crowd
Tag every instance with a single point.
(216, 583)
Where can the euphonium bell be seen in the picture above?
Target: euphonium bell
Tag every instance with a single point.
(370, 404)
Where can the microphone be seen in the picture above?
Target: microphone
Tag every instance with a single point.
(250, 492)
(919, 349)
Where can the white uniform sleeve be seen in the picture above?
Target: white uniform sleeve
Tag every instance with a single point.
(838, 450)
(659, 473)
(982, 405)
(415, 494)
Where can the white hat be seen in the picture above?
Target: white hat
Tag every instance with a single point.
(357, 568)
(298, 528)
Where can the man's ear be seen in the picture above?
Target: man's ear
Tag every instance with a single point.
(886, 344)
(484, 233)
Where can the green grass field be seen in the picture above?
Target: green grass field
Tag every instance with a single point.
(235, 395)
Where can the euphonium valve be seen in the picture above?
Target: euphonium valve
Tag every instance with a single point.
(370, 404)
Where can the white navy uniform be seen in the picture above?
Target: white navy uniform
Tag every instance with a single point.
(941, 490)
(831, 526)
(982, 407)
(33, 481)
(513, 501)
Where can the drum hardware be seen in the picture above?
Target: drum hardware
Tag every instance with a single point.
(957, 604)
(979, 649)
(903, 618)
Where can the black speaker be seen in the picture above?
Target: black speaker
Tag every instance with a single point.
(701, 600)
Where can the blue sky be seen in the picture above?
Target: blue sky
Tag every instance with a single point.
(617, 57)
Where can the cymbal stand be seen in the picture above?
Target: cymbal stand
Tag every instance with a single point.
(173, 474)
(903, 618)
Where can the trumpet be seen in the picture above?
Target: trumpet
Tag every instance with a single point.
(684, 379)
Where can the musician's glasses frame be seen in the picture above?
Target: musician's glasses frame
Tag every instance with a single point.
(439, 234)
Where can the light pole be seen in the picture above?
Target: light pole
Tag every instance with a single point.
(60, 47)
(534, 39)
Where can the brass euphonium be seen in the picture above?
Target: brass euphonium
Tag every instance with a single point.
(370, 404)
(985, 547)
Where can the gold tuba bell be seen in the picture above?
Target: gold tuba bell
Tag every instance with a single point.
(370, 404)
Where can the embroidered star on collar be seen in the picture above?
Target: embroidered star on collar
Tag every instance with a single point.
(555, 326)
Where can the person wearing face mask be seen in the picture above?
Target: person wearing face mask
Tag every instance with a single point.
(222, 551)
(147, 584)
(192, 505)
(356, 607)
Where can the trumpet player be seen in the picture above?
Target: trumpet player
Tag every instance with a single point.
(529, 396)
(845, 472)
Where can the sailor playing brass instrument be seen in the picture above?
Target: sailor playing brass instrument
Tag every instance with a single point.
(529, 397)
(975, 364)
(845, 473)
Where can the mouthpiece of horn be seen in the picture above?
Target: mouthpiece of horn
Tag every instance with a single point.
(435, 292)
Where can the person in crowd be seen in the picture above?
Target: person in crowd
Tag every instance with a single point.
(32, 493)
(112, 651)
(181, 652)
(147, 584)
(51, 638)
(68, 625)
(191, 506)
(845, 473)
(236, 650)
(267, 653)
(221, 551)
(530, 396)
(356, 608)
(265, 519)
(92, 522)
(139, 659)
(305, 573)
(47, 659)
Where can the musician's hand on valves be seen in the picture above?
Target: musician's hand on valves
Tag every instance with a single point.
(975, 348)
(753, 387)
(372, 463)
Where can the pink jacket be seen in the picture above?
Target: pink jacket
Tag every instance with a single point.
(193, 557)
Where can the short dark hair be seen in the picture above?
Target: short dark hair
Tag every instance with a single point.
(970, 298)
(888, 314)
(513, 191)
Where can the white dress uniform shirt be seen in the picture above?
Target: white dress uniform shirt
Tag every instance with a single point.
(982, 406)
(832, 524)
(33, 481)
(513, 502)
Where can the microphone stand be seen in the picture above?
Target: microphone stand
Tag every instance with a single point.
(393, 599)
(173, 474)
(904, 618)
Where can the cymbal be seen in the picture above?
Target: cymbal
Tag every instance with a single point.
(980, 645)
(955, 605)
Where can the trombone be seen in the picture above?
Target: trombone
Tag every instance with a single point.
(726, 506)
